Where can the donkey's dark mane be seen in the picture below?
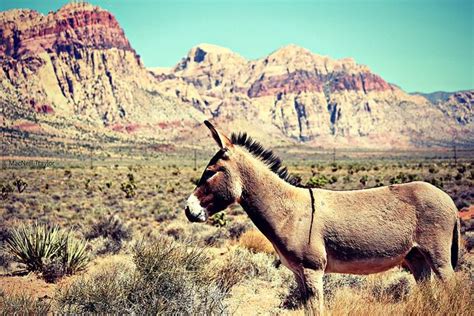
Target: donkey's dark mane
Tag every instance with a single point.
(273, 162)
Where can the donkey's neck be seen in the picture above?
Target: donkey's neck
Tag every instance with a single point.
(269, 201)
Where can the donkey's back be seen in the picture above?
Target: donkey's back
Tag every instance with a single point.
(367, 231)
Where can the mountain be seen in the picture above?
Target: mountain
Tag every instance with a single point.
(73, 75)
(435, 97)
(310, 98)
(76, 65)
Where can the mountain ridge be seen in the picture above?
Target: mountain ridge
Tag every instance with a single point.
(76, 66)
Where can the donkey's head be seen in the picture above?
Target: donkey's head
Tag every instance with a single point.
(219, 185)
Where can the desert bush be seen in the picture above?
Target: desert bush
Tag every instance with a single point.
(113, 230)
(334, 282)
(5, 190)
(67, 174)
(22, 304)
(194, 180)
(175, 231)
(347, 179)
(393, 288)
(433, 169)
(5, 256)
(129, 189)
(236, 229)
(105, 291)
(215, 237)
(20, 185)
(255, 241)
(413, 177)
(218, 220)
(168, 278)
(241, 264)
(48, 250)
(317, 181)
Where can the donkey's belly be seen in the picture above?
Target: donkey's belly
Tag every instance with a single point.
(366, 255)
(363, 266)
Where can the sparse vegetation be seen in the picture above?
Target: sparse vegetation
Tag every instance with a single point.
(240, 264)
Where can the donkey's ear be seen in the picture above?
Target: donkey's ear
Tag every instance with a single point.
(221, 140)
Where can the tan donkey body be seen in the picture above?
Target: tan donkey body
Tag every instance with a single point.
(323, 231)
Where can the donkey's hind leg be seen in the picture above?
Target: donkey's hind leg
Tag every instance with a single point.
(441, 267)
(418, 266)
(440, 262)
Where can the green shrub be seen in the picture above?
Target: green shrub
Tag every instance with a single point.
(218, 219)
(48, 250)
(317, 181)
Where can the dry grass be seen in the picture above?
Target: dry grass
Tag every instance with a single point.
(255, 241)
(435, 298)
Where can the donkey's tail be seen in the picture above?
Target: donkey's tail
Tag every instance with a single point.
(455, 244)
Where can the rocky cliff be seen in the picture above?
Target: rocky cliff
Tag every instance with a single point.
(77, 64)
(74, 71)
(310, 98)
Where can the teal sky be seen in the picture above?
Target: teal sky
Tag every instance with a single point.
(419, 45)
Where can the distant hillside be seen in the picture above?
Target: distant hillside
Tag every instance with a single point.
(435, 97)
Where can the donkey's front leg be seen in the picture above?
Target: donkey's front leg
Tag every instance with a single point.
(311, 288)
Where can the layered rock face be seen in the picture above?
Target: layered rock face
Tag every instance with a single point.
(76, 63)
(72, 27)
(76, 68)
(307, 97)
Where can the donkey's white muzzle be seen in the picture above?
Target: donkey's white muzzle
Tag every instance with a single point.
(194, 211)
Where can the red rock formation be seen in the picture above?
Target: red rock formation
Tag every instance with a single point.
(26, 32)
(359, 82)
(296, 82)
(304, 81)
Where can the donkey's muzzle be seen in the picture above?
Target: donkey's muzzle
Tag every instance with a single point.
(193, 218)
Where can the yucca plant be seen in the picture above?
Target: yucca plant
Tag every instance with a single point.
(48, 250)
(33, 245)
(74, 256)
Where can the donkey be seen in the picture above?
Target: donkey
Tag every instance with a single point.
(316, 231)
